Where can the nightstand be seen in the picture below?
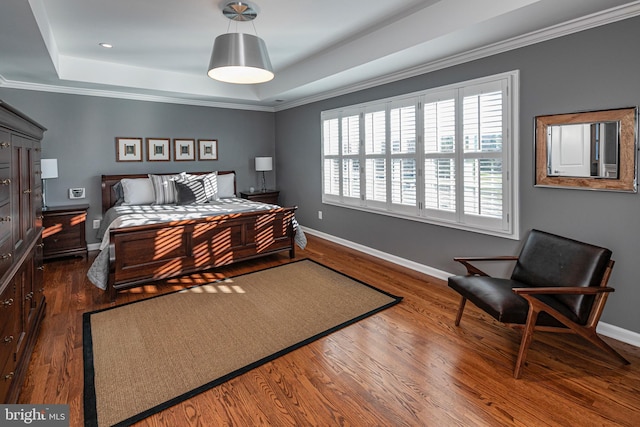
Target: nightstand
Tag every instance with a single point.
(64, 231)
(269, 196)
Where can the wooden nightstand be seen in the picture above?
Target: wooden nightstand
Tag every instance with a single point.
(269, 196)
(64, 231)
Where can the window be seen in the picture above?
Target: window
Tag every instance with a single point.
(446, 156)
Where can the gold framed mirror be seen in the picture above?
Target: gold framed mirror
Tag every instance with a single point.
(593, 150)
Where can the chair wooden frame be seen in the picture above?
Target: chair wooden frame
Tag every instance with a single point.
(587, 331)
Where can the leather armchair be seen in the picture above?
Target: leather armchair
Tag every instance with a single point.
(557, 285)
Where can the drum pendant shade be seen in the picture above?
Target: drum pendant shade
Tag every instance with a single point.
(239, 57)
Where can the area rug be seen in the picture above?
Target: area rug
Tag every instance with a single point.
(145, 356)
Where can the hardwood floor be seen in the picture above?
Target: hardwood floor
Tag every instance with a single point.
(406, 366)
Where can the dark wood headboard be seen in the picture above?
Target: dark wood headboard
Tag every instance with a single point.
(109, 196)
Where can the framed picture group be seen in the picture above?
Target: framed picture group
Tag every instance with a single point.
(163, 150)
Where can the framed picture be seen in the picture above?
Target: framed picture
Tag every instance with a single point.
(158, 150)
(184, 149)
(207, 149)
(128, 149)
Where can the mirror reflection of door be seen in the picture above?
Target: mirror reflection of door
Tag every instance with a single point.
(570, 148)
(583, 150)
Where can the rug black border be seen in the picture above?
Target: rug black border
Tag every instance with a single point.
(89, 395)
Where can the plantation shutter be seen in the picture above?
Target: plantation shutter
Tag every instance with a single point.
(440, 156)
(402, 134)
(375, 142)
(331, 152)
(350, 156)
(483, 184)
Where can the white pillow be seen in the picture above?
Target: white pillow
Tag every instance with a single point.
(138, 191)
(226, 186)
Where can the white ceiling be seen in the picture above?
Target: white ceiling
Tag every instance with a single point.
(318, 48)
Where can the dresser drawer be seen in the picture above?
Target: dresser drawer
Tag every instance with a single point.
(5, 221)
(6, 378)
(9, 338)
(9, 327)
(5, 146)
(5, 182)
(6, 254)
(61, 239)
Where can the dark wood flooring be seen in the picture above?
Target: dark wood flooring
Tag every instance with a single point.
(406, 366)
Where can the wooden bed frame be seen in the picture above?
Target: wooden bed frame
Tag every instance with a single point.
(140, 254)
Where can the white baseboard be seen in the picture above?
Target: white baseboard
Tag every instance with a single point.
(619, 333)
(93, 247)
(434, 272)
(605, 329)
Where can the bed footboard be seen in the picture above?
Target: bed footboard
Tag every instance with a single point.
(144, 253)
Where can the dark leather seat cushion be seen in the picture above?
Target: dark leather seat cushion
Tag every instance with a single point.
(494, 296)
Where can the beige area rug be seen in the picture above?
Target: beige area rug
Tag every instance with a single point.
(143, 357)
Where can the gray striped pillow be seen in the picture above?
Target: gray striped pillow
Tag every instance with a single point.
(190, 192)
(164, 188)
(210, 182)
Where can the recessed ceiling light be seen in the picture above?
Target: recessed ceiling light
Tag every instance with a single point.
(106, 45)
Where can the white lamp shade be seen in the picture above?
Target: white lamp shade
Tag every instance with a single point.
(49, 168)
(264, 164)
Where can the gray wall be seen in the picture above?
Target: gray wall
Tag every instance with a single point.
(82, 130)
(592, 70)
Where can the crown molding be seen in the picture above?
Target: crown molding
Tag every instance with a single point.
(11, 84)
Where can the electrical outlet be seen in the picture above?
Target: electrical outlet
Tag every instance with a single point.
(319, 214)
(96, 224)
(76, 193)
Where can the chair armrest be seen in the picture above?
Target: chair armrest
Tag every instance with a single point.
(569, 290)
(486, 258)
(473, 270)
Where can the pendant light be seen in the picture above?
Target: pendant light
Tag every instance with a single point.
(238, 57)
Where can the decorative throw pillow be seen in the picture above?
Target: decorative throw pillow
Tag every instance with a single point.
(164, 188)
(119, 192)
(226, 187)
(190, 192)
(210, 182)
(137, 191)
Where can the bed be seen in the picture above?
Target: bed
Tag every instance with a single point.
(144, 240)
